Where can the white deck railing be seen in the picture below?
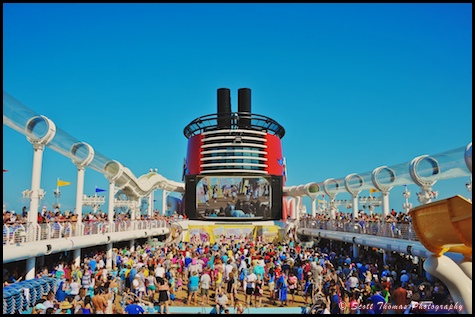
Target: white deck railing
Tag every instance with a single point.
(28, 232)
(396, 230)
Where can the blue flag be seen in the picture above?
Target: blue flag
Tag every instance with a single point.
(98, 190)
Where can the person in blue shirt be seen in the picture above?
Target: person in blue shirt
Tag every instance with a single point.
(115, 271)
(282, 287)
(271, 283)
(386, 271)
(238, 213)
(118, 260)
(210, 263)
(286, 266)
(93, 264)
(362, 271)
(259, 271)
(188, 260)
(122, 277)
(334, 301)
(132, 273)
(134, 308)
(377, 301)
(193, 286)
(346, 270)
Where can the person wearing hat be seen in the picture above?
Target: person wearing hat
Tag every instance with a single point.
(64, 307)
(38, 309)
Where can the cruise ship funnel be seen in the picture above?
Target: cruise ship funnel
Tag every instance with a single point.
(224, 108)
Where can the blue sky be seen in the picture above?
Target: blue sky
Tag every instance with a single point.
(356, 86)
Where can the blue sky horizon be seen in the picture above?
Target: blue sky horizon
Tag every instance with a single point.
(356, 86)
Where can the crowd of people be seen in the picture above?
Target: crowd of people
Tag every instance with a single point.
(51, 216)
(392, 217)
(56, 215)
(230, 274)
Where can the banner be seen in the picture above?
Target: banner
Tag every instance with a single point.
(372, 190)
(232, 233)
(98, 190)
(268, 234)
(63, 183)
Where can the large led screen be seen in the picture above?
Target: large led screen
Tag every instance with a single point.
(233, 197)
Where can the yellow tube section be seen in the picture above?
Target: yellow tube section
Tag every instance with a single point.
(445, 225)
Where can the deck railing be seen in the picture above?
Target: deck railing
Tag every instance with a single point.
(29, 232)
(395, 230)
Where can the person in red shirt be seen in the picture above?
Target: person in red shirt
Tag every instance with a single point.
(399, 296)
(307, 267)
(278, 271)
(297, 249)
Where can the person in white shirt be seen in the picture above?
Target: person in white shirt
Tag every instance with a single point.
(227, 269)
(74, 287)
(250, 285)
(352, 281)
(194, 266)
(242, 264)
(50, 301)
(159, 271)
(101, 264)
(221, 302)
(205, 282)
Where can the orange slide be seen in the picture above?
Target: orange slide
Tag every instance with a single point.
(445, 225)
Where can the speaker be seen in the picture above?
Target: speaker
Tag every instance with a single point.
(277, 193)
(190, 196)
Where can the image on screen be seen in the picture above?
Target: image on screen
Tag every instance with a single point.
(233, 197)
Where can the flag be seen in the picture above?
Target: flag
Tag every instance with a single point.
(5, 171)
(372, 190)
(185, 170)
(63, 183)
(98, 190)
(284, 165)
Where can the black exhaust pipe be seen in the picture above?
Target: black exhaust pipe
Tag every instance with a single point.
(244, 107)
(224, 108)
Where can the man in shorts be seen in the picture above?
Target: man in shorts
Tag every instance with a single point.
(205, 282)
(250, 280)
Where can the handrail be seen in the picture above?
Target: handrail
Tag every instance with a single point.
(395, 230)
(29, 232)
(256, 122)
